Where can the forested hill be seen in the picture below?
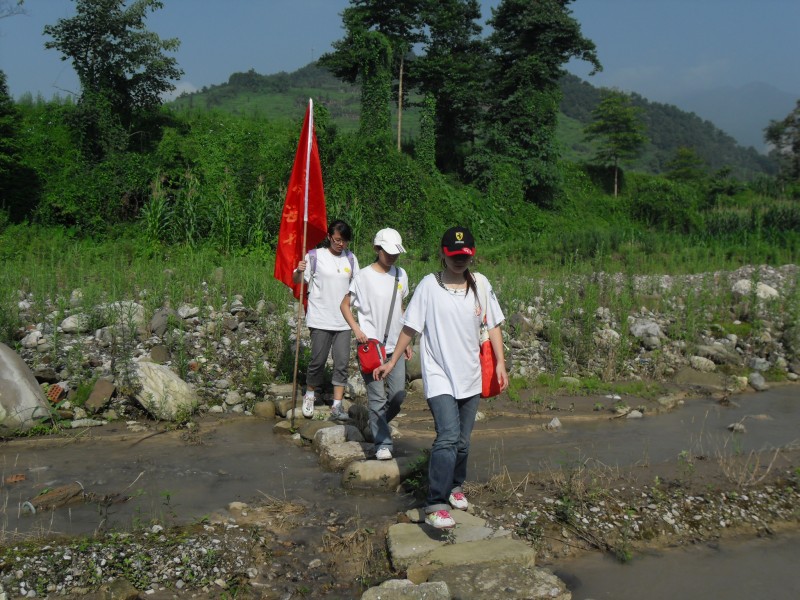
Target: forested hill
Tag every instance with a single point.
(284, 95)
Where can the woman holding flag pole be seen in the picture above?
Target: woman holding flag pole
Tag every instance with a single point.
(328, 279)
(304, 225)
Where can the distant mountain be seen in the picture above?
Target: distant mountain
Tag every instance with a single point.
(667, 128)
(742, 112)
(285, 95)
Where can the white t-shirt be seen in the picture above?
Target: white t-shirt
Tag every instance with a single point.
(371, 296)
(327, 287)
(450, 343)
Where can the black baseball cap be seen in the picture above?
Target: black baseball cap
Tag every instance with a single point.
(458, 240)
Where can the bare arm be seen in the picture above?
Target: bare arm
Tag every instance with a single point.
(402, 343)
(297, 274)
(351, 320)
(496, 339)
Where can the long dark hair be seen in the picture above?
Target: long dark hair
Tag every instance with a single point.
(344, 230)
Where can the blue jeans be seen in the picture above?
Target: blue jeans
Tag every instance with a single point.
(454, 419)
(384, 399)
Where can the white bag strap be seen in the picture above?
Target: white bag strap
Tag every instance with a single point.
(483, 298)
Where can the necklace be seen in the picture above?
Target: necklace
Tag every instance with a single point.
(337, 260)
(453, 288)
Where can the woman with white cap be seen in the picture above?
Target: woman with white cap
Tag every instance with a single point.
(377, 293)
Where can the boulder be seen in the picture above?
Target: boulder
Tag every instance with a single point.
(337, 456)
(647, 331)
(473, 555)
(375, 474)
(160, 320)
(264, 409)
(702, 364)
(507, 581)
(403, 589)
(22, 401)
(164, 395)
(757, 382)
(78, 323)
(100, 396)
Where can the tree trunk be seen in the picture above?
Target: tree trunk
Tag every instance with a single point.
(616, 170)
(400, 106)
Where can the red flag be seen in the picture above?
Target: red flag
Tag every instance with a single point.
(305, 202)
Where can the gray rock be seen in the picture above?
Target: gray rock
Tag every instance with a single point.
(77, 323)
(719, 354)
(403, 589)
(327, 435)
(757, 382)
(647, 331)
(375, 474)
(164, 394)
(704, 365)
(264, 409)
(338, 456)
(472, 555)
(160, 320)
(159, 354)
(22, 401)
(506, 581)
(759, 364)
(100, 396)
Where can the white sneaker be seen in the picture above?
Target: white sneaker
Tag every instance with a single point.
(308, 406)
(458, 500)
(440, 519)
(383, 454)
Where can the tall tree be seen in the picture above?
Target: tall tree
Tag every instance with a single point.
(452, 71)
(686, 166)
(616, 123)
(18, 183)
(354, 56)
(122, 67)
(784, 136)
(531, 42)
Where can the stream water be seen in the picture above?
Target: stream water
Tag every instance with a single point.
(170, 480)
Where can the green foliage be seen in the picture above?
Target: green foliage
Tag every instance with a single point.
(615, 123)
(686, 166)
(531, 42)
(663, 204)
(122, 68)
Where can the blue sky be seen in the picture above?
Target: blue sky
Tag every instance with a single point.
(662, 49)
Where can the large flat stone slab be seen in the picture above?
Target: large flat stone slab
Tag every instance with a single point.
(409, 543)
(403, 589)
(470, 555)
(507, 581)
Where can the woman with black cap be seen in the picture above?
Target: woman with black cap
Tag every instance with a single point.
(446, 309)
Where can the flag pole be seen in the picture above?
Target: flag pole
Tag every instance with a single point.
(299, 318)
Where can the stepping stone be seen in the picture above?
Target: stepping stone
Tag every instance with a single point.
(470, 555)
(376, 474)
(509, 582)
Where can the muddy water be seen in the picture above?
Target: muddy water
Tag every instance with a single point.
(167, 479)
(172, 480)
(762, 568)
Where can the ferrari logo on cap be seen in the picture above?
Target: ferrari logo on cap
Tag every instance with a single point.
(459, 235)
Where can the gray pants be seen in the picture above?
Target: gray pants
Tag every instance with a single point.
(322, 340)
(385, 398)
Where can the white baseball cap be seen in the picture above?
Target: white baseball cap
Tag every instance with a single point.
(389, 240)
